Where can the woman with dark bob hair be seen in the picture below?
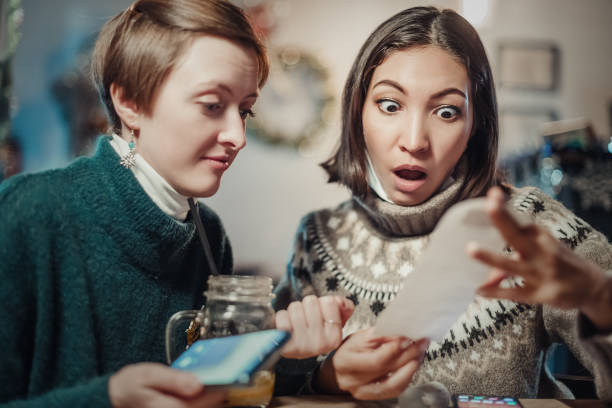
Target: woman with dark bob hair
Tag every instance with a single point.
(98, 255)
(420, 133)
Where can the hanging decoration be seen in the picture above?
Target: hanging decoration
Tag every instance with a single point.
(11, 17)
(297, 101)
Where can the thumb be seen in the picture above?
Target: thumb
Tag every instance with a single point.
(173, 381)
(347, 307)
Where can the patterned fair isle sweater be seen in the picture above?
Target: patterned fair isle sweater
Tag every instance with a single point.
(363, 249)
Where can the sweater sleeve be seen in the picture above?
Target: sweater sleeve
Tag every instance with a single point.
(592, 347)
(297, 282)
(294, 376)
(93, 393)
(18, 297)
(23, 251)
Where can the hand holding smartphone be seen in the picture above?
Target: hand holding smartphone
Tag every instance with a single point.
(232, 360)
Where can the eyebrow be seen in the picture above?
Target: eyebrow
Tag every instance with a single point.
(222, 86)
(437, 95)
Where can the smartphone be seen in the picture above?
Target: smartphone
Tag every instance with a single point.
(232, 360)
(471, 401)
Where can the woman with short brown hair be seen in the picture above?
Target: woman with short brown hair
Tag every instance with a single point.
(98, 255)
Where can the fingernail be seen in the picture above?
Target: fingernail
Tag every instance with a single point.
(424, 345)
(481, 292)
(406, 343)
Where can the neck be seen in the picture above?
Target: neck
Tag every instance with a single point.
(157, 188)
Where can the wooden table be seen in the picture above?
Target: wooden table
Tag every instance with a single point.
(344, 402)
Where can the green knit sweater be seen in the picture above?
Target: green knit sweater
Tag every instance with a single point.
(91, 270)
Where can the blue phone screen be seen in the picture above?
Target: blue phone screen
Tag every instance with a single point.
(232, 359)
(471, 401)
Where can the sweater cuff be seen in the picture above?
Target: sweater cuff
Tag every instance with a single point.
(93, 393)
(599, 346)
(587, 331)
(309, 387)
(292, 376)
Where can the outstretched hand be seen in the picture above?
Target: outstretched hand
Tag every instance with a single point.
(551, 272)
(315, 324)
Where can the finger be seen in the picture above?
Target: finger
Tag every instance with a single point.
(297, 317)
(170, 380)
(331, 310)
(368, 339)
(332, 326)
(390, 386)
(347, 307)
(297, 344)
(282, 321)
(415, 352)
(374, 362)
(159, 399)
(313, 315)
(499, 261)
(209, 398)
(503, 221)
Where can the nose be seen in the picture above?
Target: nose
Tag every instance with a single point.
(233, 134)
(415, 136)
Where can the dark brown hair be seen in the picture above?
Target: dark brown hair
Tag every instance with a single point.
(420, 26)
(137, 49)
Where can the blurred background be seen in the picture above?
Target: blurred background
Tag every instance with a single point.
(552, 63)
(551, 60)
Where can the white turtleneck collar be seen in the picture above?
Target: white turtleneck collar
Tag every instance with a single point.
(163, 195)
(374, 182)
(376, 185)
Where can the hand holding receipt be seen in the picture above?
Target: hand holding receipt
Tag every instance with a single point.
(449, 274)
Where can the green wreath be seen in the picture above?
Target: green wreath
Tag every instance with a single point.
(296, 101)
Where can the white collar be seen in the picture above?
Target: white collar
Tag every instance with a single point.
(376, 185)
(374, 182)
(159, 190)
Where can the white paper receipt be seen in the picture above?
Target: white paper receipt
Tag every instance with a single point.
(445, 279)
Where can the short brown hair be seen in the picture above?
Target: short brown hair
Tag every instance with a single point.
(137, 49)
(420, 26)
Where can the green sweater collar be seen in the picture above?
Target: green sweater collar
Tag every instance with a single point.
(151, 240)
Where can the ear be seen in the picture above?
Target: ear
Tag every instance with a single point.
(126, 109)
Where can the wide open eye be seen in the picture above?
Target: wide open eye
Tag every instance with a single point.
(448, 112)
(244, 113)
(388, 105)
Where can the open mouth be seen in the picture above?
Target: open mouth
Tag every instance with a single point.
(407, 174)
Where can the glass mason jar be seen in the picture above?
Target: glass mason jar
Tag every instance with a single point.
(234, 305)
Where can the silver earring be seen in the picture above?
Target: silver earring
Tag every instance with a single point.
(129, 160)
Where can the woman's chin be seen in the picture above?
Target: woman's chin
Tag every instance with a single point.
(408, 199)
(201, 191)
